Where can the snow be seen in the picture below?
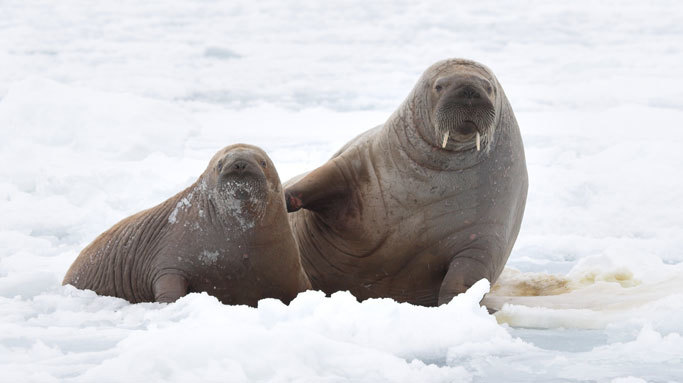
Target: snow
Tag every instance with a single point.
(108, 108)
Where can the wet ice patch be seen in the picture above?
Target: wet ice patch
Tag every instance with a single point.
(220, 53)
(598, 292)
(628, 379)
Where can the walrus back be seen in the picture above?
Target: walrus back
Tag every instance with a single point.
(363, 137)
(117, 262)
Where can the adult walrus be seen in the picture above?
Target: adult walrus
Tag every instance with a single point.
(422, 207)
(227, 234)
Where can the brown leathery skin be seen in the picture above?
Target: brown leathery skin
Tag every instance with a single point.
(396, 214)
(226, 234)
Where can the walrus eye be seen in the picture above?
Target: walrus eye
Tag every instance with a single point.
(489, 88)
(263, 163)
(219, 166)
(438, 88)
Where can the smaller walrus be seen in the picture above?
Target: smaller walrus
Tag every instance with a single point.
(227, 234)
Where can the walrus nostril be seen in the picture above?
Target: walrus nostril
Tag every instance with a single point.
(470, 93)
(239, 165)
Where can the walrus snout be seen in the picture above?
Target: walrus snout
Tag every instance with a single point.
(465, 109)
(239, 165)
(464, 90)
(242, 176)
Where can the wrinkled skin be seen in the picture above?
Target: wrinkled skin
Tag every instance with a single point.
(227, 234)
(412, 210)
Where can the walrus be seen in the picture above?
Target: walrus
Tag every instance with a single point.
(227, 234)
(422, 207)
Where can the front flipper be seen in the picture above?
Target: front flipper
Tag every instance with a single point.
(169, 287)
(466, 269)
(318, 189)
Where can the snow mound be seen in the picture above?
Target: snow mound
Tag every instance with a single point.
(75, 334)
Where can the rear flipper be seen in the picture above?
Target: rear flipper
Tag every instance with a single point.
(169, 287)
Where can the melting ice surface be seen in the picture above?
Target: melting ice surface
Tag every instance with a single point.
(109, 109)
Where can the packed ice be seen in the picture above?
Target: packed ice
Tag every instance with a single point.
(108, 108)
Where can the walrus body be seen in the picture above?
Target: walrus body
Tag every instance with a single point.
(422, 207)
(227, 234)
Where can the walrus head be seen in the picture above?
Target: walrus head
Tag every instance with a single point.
(460, 98)
(240, 180)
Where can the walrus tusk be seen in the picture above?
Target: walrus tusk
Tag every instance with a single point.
(478, 141)
(445, 139)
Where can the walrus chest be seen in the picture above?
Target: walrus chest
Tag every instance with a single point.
(207, 255)
(235, 269)
(406, 231)
(393, 227)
